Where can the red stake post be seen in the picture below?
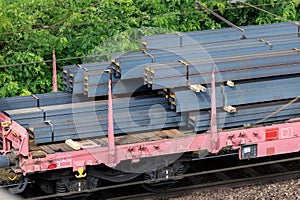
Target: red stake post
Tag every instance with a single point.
(54, 75)
(111, 135)
(213, 118)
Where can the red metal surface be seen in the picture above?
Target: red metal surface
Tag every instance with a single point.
(272, 134)
(13, 136)
(213, 119)
(288, 141)
(54, 74)
(111, 137)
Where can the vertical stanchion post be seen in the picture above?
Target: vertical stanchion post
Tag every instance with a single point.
(213, 121)
(54, 75)
(111, 135)
(213, 116)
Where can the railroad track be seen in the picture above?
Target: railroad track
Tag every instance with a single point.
(281, 170)
(237, 176)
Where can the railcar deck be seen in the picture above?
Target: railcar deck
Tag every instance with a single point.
(103, 141)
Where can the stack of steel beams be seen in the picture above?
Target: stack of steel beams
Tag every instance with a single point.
(37, 100)
(67, 70)
(120, 87)
(73, 76)
(208, 45)
(183, 73)
(86, 120)
(26, 116)
(17, 103)
(220, 35)
(91, 80)
(246, 115)
(124, 64)
(95, 84)
(54, 98)
(241, 94)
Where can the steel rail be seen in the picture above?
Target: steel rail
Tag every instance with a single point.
(188, 189)
(16, 184)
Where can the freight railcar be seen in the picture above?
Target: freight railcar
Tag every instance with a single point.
(181, 96)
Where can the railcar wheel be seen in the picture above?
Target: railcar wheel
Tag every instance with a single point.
(112, 175)
(164, 178)
(160, 186)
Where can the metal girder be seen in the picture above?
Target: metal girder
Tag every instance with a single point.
(131, 65)
(11, 103)
(92, 106)
(67, 119)
(175, 79)
(241, 120)
(75, 73)
(121, 87)
(54, 98)
(246, 93)
(219, 35)
(101, 130)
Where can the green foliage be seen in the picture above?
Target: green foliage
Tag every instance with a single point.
(31, 29)
(23, 80)
(251, 16)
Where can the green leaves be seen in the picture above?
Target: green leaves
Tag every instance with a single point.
(289, 11)
(31, 78)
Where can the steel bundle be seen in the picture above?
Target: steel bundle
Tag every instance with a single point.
(240, 94)
(219, 35)
(85, 120)
(209, 45)
(37, 100)
(247, 115)
(178, 74)
(73, 76)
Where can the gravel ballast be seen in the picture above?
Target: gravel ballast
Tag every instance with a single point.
(280, 190)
